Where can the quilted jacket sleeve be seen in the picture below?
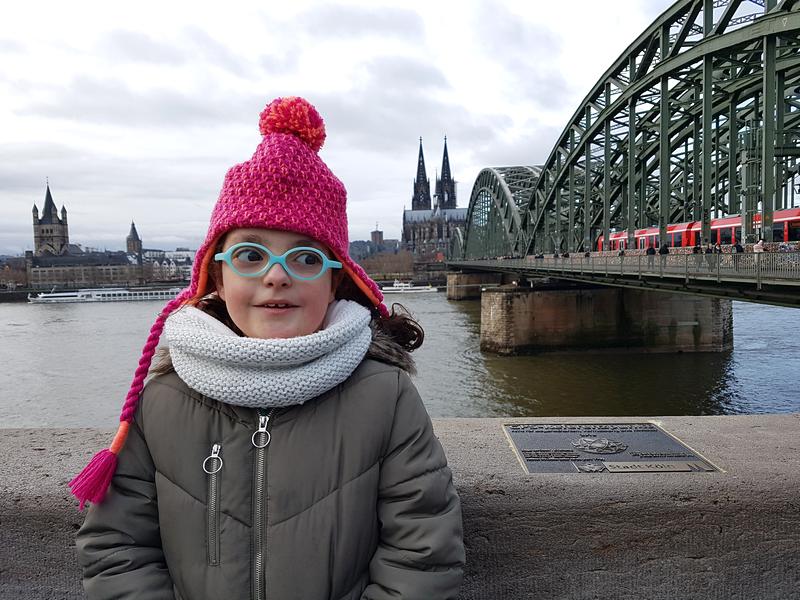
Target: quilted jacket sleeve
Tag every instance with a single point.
(421, 552)
(119, 544)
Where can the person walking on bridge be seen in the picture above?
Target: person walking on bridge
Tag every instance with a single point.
(663, 251)
(737, 251)
(709, 252)
(698, 255)
(651, 256)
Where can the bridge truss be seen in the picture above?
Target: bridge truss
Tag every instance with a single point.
(699, 118)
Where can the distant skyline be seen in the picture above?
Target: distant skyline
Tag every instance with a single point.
(136, 116)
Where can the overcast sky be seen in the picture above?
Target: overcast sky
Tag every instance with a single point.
(137, 113)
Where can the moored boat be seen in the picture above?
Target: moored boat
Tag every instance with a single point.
(407, 288)
(105, 295)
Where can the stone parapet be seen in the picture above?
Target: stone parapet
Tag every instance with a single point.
(733, 534)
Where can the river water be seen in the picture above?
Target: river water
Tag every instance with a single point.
(70, 366)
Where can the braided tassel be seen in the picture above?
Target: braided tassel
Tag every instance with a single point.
(92, 483)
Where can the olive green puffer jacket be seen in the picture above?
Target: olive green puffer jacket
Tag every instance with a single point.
(350, 498)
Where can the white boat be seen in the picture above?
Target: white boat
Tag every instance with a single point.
(407, 288)
(105, 295)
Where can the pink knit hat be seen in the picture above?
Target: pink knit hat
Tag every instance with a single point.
(285, 186)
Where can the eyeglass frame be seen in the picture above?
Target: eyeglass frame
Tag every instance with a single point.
(274, 259)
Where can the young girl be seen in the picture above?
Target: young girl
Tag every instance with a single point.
(280, 450)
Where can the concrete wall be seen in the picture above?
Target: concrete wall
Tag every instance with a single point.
(730, 535)
(519, 319)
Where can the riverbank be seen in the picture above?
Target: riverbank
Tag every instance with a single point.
(15, 295)
(733, 534)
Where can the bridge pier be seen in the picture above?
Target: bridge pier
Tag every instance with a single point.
(467, 286)
(550, 317)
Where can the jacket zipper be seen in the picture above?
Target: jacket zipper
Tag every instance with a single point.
(260, 439)
(212, 465)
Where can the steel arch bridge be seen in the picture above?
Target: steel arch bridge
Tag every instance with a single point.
(496, 204)
(679, 128)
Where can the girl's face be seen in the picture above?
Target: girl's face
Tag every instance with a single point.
(252, 302)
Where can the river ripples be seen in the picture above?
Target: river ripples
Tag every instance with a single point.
(70, 366)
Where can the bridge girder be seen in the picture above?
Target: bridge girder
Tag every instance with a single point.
(493, 218)
(677, 129)
(651, 127)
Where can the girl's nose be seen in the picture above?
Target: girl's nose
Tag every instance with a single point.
(276, 276)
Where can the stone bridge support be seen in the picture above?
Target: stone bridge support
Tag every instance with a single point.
(548, 317)
(467, 286)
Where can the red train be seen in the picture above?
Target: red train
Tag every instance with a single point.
(728, 230)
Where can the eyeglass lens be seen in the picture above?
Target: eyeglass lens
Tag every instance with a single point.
(300, 263)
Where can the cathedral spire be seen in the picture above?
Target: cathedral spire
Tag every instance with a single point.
(421, 174)
(133, 234)
(445, 184)
(446, 163)
(421, 200)
(49, 206)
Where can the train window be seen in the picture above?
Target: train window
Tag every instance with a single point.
(794, 232)
(777, 232)
(725, 236)
(737, 233)
(678, 239)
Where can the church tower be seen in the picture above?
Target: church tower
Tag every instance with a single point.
(133, 241)
(445, 185)
(421, 200)
(50, 233)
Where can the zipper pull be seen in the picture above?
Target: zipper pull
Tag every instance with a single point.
(215, 467)
(262, 428)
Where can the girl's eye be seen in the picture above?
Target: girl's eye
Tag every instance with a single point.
(307, 258)
(248, 256)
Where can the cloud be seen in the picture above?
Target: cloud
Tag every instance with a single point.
(170, 197)
(207, 47)
(281, 63)
(525, 51)
(11, 47)
(401, 74)
(123, 45)
(371, 120)
(23, 168)
(111, 101)
(346, 22)
(397, 99)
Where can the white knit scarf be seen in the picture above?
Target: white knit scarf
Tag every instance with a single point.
(262, 373)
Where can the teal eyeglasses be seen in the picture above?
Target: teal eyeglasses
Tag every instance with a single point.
(249, 259)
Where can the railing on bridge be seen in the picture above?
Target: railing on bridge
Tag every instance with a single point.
(758, 268)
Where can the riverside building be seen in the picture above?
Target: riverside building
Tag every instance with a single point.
(56, 263)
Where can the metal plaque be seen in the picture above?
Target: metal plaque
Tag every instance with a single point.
(602, 448)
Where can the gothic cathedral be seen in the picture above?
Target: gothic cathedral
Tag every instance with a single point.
(428, 232)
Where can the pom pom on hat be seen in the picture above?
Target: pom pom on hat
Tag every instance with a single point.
(295, 116)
